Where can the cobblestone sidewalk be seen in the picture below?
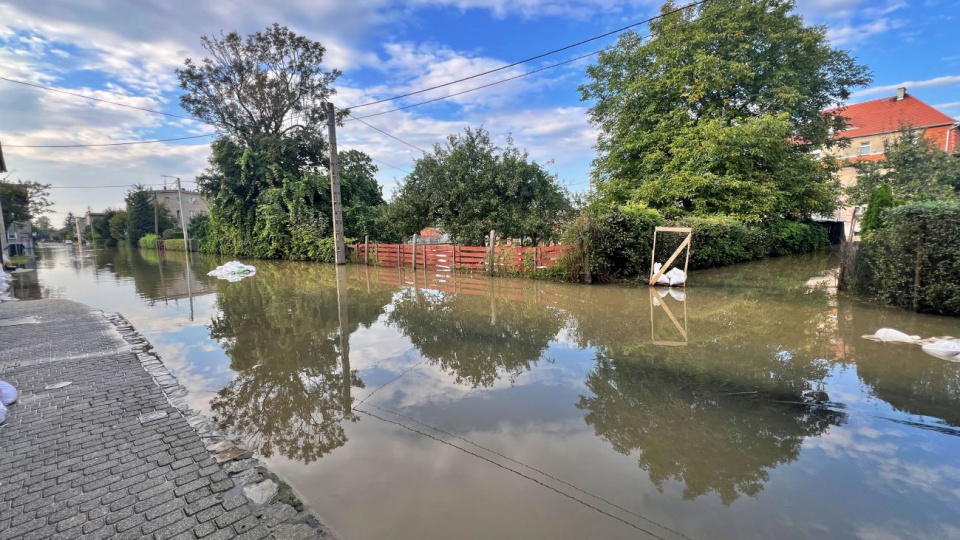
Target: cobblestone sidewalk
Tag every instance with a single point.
(108, 456)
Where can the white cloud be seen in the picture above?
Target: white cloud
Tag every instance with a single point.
(947, 80)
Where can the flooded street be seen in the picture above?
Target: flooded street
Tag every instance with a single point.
(422, 405)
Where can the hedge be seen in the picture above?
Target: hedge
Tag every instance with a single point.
(913, 260)
(148, 241)
(616, 243)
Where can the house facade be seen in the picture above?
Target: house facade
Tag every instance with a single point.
(872, 124)
(193, 203)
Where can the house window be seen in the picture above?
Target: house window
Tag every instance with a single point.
(865, 148)
(192, 213)
(178, 214)
(193, 200)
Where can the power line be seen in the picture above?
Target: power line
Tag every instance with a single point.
(25, 83)
(123, 143)
(532, 58)
(394, 137)
(551, 66)
(96, 187)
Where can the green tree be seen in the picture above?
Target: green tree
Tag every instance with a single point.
(881, 198)
(24, 200)
(118, 226)
(141, 217)
(914, 168)
(362, 195)
(44, 228)
(69, 227)
(717, 112)
(100, 228)
(470, 186)
(268, 177)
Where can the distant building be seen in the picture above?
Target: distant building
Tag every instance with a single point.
(193, 203)
(871, 124)
(20, 238)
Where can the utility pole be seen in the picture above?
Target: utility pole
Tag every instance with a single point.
(183, 224)
(339, 250)
(3, 239)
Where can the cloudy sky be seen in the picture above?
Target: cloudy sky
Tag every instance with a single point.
(127, 52)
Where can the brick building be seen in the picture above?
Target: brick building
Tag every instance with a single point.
(193, 203)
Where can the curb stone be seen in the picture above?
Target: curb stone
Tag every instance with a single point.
(283, 514)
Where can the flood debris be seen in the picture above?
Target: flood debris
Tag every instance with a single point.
(945, 349)
(233, 271)
(57, 386)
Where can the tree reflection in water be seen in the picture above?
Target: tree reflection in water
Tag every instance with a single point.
(476, 337)
(688, 429)
(282, 332)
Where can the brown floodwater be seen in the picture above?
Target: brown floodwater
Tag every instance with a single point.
(413, 405)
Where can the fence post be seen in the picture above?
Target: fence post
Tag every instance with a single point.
(413, 252)
(366, 250)
(493, 248)
(453, 258)
(536, 257)
(424, 256)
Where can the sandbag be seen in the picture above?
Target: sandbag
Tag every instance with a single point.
(943, 349)
(889, 335)
(3, 413)
(663, 280)
(233, 271)
(676, 276)
(8, 394)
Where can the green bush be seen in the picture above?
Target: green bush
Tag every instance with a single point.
(148, 241)
(177, 244)
(916, 241)
(881, 199)
(617, 242)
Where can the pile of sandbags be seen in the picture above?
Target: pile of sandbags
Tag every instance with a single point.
(945, 348)
(671, 278)
(5, 280)
(233, 271)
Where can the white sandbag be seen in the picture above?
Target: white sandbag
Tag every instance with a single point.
(676, 276)
(663, 280)
(889, 335)
(946, 350)
(8, 394)
(3, 413)
(678, 294)
(233, 271)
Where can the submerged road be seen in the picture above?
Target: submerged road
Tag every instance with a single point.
(108, 455)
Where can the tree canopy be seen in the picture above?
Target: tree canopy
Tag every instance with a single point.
(24, 200)
(913, 166)
(267, 183)
(140, 215)
(470, 186)
(717, 112)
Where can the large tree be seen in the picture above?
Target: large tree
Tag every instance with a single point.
(23, 200)
(142, 217)
(470, 186)
(268, 177)
(718, 110)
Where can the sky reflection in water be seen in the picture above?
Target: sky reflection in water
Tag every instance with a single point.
(503, 408)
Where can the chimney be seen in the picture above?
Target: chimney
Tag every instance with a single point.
(901, 93)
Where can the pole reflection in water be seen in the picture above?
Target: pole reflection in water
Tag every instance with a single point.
(550, 408)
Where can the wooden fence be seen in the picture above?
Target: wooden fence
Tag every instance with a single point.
(448, 256)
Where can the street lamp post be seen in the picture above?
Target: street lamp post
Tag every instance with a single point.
(183, 224)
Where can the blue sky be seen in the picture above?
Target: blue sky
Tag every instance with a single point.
(127, 52)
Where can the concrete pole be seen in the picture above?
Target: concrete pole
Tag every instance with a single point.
(339, 250)
(183, 223)
(3, 239)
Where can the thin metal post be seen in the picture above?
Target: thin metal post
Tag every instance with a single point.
(183, 223)
(366, 250)
(413, 253)
(339, 255)
(493, 247)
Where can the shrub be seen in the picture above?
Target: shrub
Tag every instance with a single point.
(148, 241)
(913, 260)
(881, 199)
(617, 242)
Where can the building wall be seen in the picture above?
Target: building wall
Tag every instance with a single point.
(193, 203)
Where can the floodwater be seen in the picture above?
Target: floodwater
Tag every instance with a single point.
(420, 405)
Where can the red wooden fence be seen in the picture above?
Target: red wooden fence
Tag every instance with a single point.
(446, 256)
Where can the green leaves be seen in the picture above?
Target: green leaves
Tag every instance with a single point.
(471, 186)
(914, 168)
(717, 111)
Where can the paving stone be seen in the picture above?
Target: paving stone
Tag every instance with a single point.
(110, 455)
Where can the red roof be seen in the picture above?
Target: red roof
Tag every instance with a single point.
(429, 231)
(888, 114)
